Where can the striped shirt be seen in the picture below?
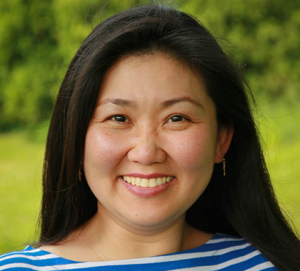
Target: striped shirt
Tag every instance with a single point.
(222, 252)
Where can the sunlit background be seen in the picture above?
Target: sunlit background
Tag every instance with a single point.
(39, 38)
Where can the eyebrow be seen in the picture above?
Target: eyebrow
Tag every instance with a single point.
(165, 104)
(171, 102)
(119, 102)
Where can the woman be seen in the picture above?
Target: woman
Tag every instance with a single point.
(153, 161)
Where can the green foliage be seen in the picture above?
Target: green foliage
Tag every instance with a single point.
(26, 102)
(268, 35)
(28, 55)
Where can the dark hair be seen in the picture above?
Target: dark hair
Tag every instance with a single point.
(241, 204)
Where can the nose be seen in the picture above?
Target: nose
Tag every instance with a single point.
(146, 149)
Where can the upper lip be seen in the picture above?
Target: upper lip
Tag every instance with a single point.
(147, 176)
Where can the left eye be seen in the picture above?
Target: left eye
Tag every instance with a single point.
(119, 118)
(177, 118)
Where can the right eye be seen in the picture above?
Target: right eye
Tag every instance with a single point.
(119, 118)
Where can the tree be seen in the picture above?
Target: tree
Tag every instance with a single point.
(267, 33)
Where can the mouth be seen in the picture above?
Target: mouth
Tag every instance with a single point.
(143, 182)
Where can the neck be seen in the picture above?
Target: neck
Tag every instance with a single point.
(109, 239)
(105, 239)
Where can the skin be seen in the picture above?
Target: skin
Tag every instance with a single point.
(146, 133)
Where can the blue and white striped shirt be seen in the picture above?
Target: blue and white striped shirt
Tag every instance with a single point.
(222, 252)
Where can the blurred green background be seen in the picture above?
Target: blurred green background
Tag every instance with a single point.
(39, 38)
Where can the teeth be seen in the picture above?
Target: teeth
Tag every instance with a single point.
(152, 183)
(138, 182)
(133, 181)
(158, 181)
(147, 182)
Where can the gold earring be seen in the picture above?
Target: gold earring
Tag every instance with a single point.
(224, 167)
(79, 174)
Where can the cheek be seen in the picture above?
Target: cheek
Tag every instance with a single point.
(194, 149)
(102, 149)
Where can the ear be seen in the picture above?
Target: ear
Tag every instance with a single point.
(223, 143)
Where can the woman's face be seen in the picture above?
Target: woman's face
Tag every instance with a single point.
(154, 126)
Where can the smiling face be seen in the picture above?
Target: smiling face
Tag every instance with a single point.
(152, 143)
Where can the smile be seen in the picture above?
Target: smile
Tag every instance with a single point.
(153, 182)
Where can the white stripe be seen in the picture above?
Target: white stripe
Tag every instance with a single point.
(222, 265)
(25, 265)
(261, 266)
(31, 249)
(157, 259)
(43, 257)
(215, 241)
(24, 251)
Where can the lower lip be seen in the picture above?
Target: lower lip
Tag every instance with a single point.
(147, 191)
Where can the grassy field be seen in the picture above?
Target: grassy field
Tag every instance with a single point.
(21, 166)
(20, 189)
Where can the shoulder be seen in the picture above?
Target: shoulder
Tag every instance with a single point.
(28, 259)
(223, 251)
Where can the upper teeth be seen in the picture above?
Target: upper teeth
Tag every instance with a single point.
(147, 182)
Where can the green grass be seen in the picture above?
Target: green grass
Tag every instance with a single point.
(20, 190)
(21, 167)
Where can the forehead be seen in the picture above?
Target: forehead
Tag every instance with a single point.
(155, 75)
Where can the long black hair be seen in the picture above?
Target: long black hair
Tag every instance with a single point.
(241, 204)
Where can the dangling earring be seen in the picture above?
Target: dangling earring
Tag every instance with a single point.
(224, 167)
(79, 174)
